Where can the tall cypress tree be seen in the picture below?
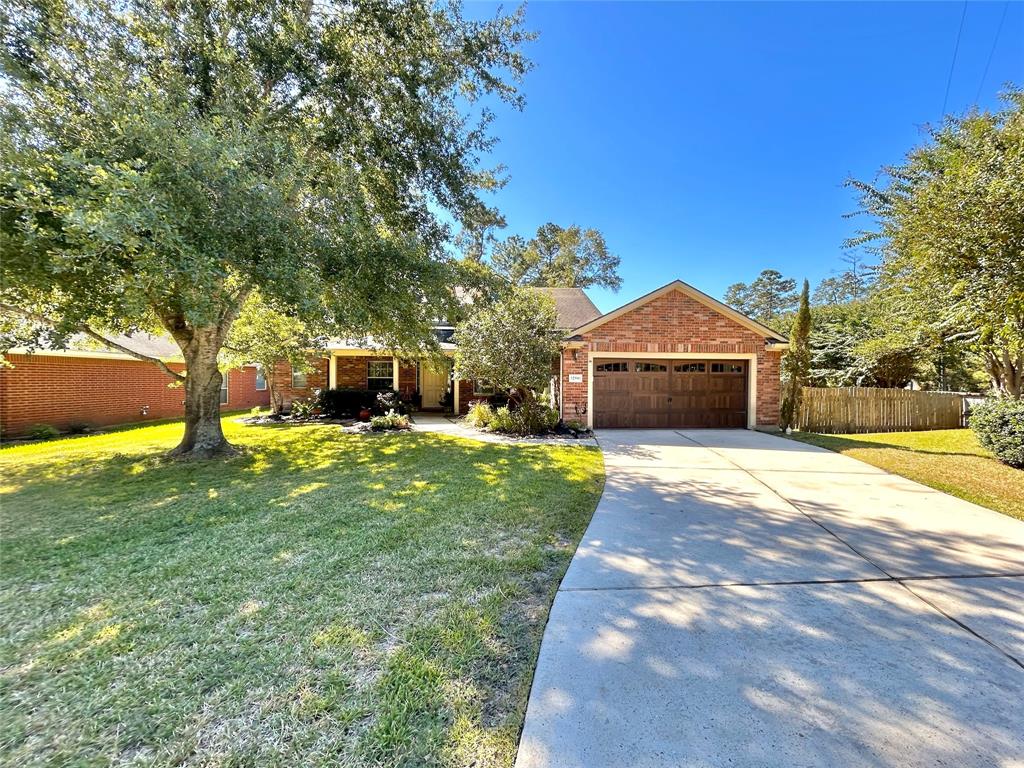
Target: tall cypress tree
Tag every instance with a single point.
(797, 363)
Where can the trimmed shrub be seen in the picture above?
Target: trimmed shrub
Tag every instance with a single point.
(43, 432)
(341, 403)
(345, 402)
(480, 414)
(501, 421)
(390, 420)
(999, 425)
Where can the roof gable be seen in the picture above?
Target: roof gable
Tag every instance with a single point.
(696, 295)
(572, 305)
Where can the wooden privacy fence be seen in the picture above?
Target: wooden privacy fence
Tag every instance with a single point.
(846, 410)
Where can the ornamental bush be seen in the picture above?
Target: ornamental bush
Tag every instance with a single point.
(43, 432)
(999, 425)
(480, 414)
(305, 409)
(390, 420)
(530, 418)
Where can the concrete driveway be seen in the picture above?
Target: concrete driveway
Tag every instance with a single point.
(744, 600)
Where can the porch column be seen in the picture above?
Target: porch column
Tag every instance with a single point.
(332, 371)
(455, 392)
(395, 375)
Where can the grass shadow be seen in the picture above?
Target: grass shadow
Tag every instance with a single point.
(203, 608)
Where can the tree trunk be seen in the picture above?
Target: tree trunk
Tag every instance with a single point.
(276, 399)
(1006, 372)
(204, 437)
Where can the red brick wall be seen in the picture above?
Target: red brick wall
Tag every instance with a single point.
(316, 378)
(673, 322)
(466, 395)
(574, 395)
(61, 390)
(407, 378)
(350, 372)
(242, 392)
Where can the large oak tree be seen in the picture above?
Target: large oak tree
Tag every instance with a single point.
(160, 161)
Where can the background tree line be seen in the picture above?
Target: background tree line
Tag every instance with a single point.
(853, 338)
(942, 301)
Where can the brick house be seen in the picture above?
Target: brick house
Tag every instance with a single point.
(673, 358)
(103, 387)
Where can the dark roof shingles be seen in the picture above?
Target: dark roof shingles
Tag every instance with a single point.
(573, 306)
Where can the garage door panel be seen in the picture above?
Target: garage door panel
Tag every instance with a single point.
(648, 394)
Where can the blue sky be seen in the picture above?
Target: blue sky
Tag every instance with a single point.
(710, 141)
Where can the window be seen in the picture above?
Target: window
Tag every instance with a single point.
(299, 380)
(612, 368)
(380, 374)
(261, 379)
(651, 368)
(444, 333)
(691, 368)
(727, 367)
(482, 387)
(224, 388)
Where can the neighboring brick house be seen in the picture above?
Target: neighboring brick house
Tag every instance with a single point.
(673, 358)
(64, 388)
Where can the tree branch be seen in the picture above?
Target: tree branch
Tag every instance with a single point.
(83, 328)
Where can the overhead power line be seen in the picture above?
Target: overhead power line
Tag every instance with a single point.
(995, 42)
(952, 66)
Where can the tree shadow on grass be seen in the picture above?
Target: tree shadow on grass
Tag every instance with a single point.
(159, 607)
(840, 443)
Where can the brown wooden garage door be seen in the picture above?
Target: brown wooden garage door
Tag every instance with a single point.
(663, 394)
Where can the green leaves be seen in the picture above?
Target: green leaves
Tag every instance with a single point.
(767, 297)
(511, 343)
(173, 149)
(558, 257)
(160, 161)
(951, 235)
(796, 365)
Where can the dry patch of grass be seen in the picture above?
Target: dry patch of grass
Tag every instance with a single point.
(322, 599)
(949, 460)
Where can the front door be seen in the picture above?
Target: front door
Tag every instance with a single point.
(435, 380)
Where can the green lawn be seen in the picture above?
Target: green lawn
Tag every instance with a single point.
(947, 459)
(322, 599)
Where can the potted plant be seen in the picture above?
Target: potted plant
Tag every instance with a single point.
(364, 414)
(447, 401)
